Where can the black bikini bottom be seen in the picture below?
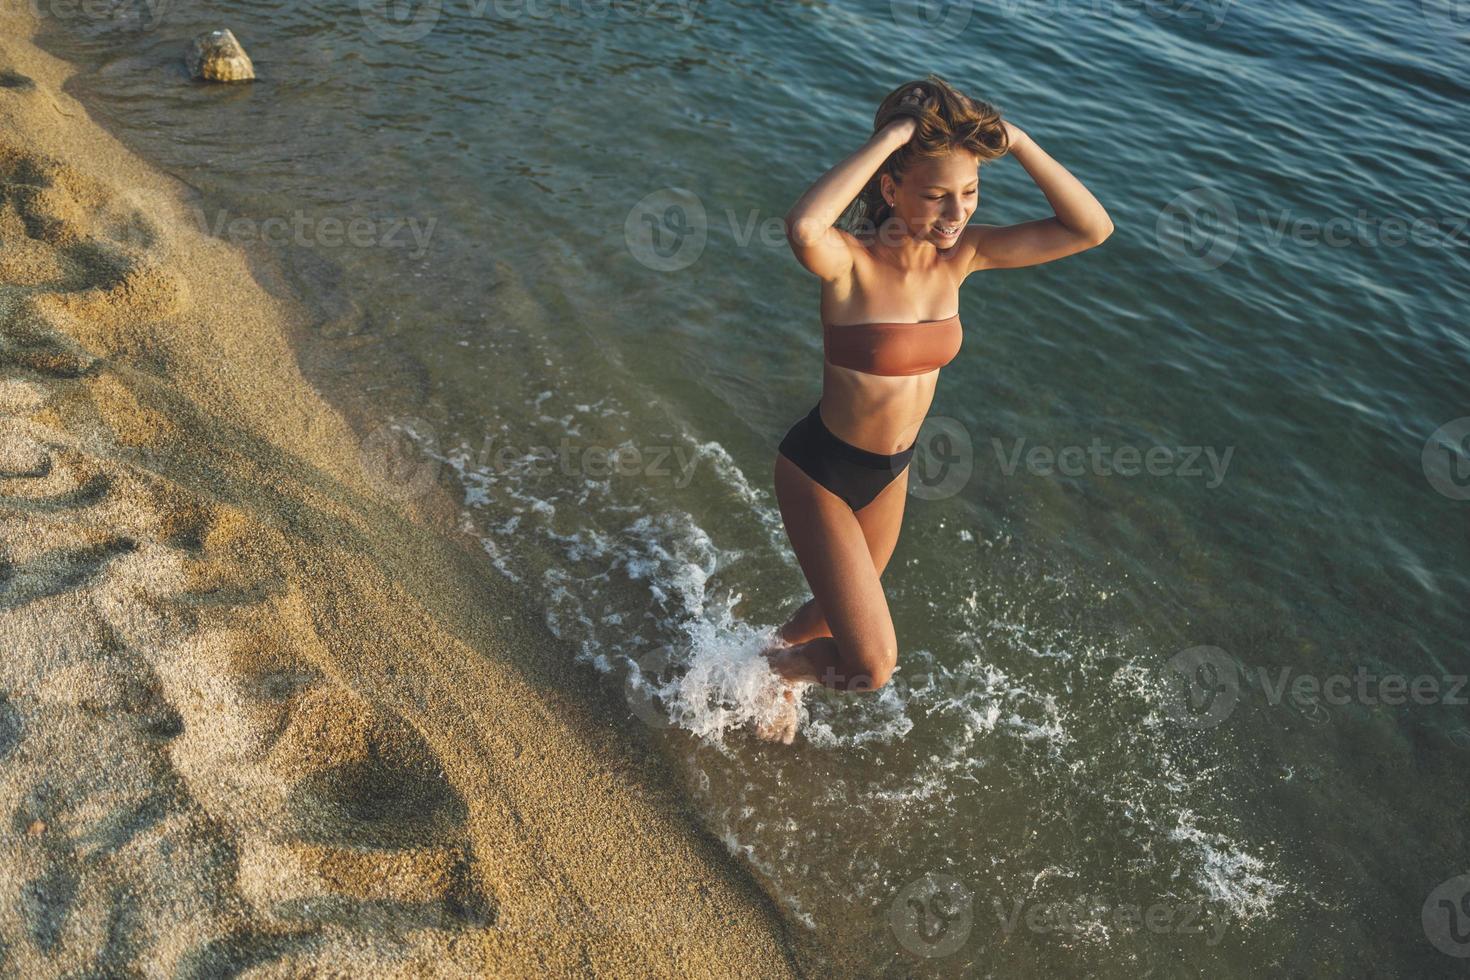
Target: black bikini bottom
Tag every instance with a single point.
(852, 473)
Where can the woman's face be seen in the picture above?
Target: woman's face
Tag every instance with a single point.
(937, 197)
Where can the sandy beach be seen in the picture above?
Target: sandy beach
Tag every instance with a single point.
(259, 713)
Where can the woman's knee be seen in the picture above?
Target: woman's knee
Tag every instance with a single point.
(871, 665)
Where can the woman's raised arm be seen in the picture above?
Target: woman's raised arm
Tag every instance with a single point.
(1079, 223)
(810, 224)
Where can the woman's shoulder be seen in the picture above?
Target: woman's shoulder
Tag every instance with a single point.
(860, 238)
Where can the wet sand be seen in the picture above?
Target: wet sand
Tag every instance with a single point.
(260, 711)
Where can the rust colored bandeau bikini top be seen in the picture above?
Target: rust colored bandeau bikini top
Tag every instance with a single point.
(893, 348)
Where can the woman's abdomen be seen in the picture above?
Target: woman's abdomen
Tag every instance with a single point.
(876, 413)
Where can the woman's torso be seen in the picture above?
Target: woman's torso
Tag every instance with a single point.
(882, 413)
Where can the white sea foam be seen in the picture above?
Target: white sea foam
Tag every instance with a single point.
(1227, 873)
(728, 685)
(634, 599)
(733, 477)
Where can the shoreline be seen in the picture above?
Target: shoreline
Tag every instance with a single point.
(261, 709)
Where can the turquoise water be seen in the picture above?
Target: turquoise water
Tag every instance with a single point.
(1145, 720)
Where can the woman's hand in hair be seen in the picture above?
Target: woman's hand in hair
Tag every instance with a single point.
(909, 111)
(902, 129)
(1014, 134)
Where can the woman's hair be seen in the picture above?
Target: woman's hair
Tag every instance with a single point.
(948, 120)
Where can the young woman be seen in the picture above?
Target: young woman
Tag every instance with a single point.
(890, 295)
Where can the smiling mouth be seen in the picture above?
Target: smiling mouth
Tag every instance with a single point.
(947, 231)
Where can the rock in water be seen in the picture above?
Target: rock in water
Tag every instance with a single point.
(218, 57)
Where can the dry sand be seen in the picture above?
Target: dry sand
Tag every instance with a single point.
(259, 713)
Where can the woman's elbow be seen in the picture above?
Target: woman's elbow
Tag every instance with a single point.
(1101, 232)
(802, 230)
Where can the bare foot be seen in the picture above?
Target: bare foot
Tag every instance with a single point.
(780, 726)
(785, 714)
(774, 646)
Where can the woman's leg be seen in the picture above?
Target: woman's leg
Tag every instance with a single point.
(880, 521)
(832, 548)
